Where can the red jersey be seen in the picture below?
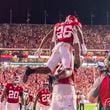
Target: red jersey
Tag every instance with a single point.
(13, 92)
(44, 96)
(68, 80)
(65, 32)
(104, 92)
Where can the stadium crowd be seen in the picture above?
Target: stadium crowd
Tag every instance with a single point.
(36, 81)
(30, 35)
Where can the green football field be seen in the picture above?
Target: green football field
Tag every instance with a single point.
(89, 107)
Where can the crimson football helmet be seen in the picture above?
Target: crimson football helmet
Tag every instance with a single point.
(70, 19)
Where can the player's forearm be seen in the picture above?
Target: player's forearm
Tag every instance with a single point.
(37, 70)
(35, 102)
(77, 52)
(80, 35)
(3, 95)
(34, 106)
(77, 63)
(77, 58)
(92, 99)
(82, 43)
(81, 38)
(22, 98)
(2, 98)
(22, 101)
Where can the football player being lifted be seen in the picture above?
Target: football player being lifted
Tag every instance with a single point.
(67, 37)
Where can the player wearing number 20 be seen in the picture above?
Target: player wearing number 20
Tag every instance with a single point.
(11, 93)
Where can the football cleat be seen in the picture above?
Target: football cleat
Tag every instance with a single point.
(27, 73)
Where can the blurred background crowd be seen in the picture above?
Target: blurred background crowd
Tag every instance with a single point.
(29, 36)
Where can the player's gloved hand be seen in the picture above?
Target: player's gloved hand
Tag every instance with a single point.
(27, 73)
(76, 66)
(83, 49)
(38, 52)
(52, 79)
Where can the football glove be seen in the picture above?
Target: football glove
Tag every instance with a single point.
(52, 79)
(27, 73)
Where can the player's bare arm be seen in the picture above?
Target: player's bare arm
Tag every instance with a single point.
(21, 97)
(23, 106)
(4, 95)
(77, 52)
(41, 70)
(80, 35)
(45, 70)
(35, 102)
(81, 40)
(92, 99)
